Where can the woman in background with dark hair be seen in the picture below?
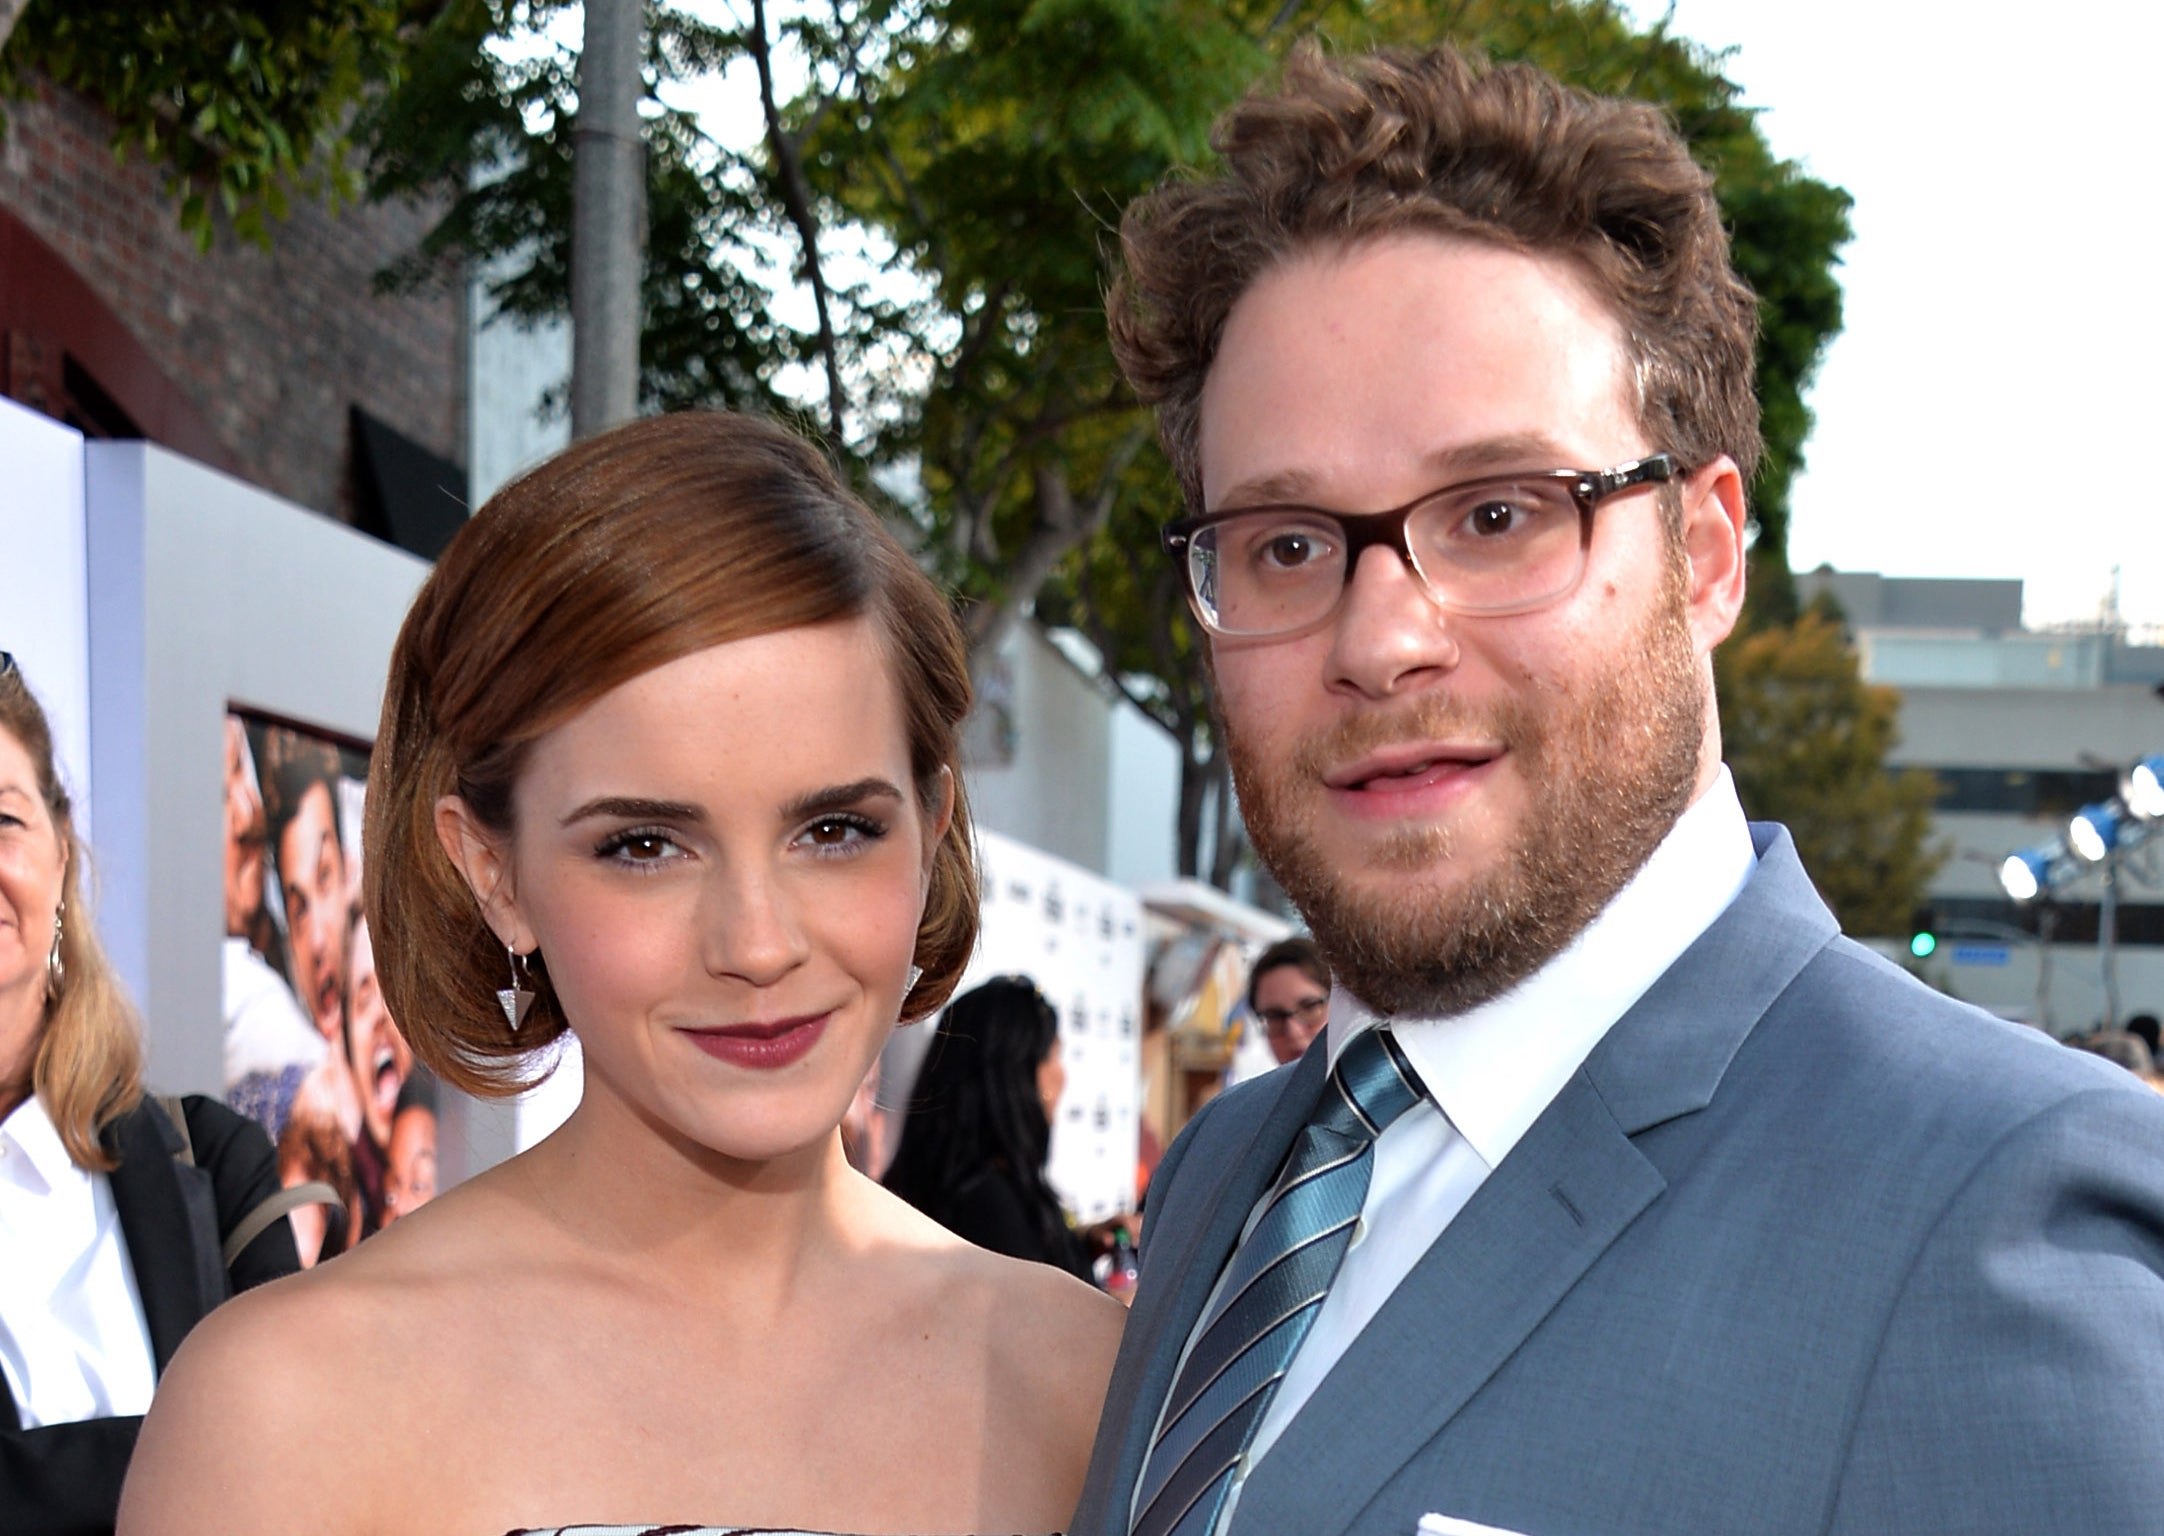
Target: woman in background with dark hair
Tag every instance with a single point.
(980, 1127)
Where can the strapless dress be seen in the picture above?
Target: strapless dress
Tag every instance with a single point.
(667, 1530)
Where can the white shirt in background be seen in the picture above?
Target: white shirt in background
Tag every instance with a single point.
(73, 1343)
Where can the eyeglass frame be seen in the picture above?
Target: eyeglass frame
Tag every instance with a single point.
(1363, 530)
(1280, 1018)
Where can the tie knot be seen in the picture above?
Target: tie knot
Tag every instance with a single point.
(1371, 1085)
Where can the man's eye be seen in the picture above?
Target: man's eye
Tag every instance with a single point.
(1495, 517)
(1288, 551)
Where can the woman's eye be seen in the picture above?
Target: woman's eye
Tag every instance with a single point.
(836, 833)
(640, 848)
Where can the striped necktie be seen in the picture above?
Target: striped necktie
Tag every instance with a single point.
(1271, 1292)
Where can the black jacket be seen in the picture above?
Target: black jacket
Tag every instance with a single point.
(64, 1479)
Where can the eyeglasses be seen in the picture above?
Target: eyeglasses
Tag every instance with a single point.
(1498, 545)
(1280, 1018)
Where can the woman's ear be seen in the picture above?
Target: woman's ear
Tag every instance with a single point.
(939, 818)
(482, 858)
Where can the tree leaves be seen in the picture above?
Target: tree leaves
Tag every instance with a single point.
(238, 103)
(1806, 740)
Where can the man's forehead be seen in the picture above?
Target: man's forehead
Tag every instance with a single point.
(1453, 461)
(1450, 357)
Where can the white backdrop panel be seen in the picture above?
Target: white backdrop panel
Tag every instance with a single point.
(44, 604)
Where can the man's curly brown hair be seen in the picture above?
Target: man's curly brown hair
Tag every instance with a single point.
(1346, 151)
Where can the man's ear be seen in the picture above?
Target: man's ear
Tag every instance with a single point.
(1715, 538)
(486, 863)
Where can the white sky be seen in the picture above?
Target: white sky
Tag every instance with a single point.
(1992, 406)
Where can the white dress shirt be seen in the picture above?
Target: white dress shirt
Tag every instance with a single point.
(265, 1030)
(1491, 1071)
(73, 1343)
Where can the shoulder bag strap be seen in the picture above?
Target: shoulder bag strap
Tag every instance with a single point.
(271, 1208)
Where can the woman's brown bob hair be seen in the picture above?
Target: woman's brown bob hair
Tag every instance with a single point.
(628, 551)
(87, 1067)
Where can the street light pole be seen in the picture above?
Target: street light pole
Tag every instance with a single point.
(2107, 941)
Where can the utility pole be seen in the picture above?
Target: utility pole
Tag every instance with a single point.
(608, 219)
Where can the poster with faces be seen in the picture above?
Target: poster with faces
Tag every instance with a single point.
(1079, 937)
(310, 1050)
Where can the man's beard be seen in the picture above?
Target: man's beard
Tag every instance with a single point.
(1609, 770)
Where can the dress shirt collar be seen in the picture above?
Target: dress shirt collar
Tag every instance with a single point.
(31, 1138)
(1494, 1068)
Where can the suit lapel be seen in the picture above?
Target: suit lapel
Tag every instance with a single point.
(1222, 1183)
(161, 1205)
(1542, 1219)
(1559, 1200)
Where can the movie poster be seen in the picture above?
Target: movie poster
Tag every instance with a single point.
(310, 1050)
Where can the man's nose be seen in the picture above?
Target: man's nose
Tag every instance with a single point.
(1390, 633)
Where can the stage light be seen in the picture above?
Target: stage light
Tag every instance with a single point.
(2094, 831)
(2025, 874)
(2144, 789)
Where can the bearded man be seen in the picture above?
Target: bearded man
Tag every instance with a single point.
(1627, 1195)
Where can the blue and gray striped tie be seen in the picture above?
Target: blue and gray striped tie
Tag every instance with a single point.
(1271, 1292)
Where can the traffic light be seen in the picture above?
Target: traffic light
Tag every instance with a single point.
(1922, 943)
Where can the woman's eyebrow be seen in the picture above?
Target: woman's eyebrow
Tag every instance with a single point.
(839, 797)
(632, 808)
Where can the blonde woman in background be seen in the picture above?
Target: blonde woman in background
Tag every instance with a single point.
(111, 1223)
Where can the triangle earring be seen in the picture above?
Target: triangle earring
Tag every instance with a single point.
(517, 997)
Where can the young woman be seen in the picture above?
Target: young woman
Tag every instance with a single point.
(668, 762)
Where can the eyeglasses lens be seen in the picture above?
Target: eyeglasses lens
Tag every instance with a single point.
(1494, 546)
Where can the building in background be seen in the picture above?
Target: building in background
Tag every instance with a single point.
(282, 367)
(2022, 729)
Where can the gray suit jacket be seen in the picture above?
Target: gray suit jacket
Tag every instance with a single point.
(1804, 1246)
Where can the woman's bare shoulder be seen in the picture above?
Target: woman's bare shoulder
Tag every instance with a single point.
(1051, 1331)
(235, 1440)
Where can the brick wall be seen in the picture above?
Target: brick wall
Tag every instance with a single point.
(270, 347)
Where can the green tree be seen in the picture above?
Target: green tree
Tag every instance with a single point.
(241, 104)
(1807, 740)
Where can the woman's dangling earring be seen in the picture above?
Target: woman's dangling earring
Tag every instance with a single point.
(916, 974)
(517, 997)
(56, 969)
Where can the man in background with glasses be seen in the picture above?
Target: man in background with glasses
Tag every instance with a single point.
(1623, 1195)
(1289, 991)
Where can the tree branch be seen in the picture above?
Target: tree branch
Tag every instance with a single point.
(11, 11)
(796, 199)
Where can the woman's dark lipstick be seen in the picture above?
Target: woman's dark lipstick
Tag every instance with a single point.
(761, 1047)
